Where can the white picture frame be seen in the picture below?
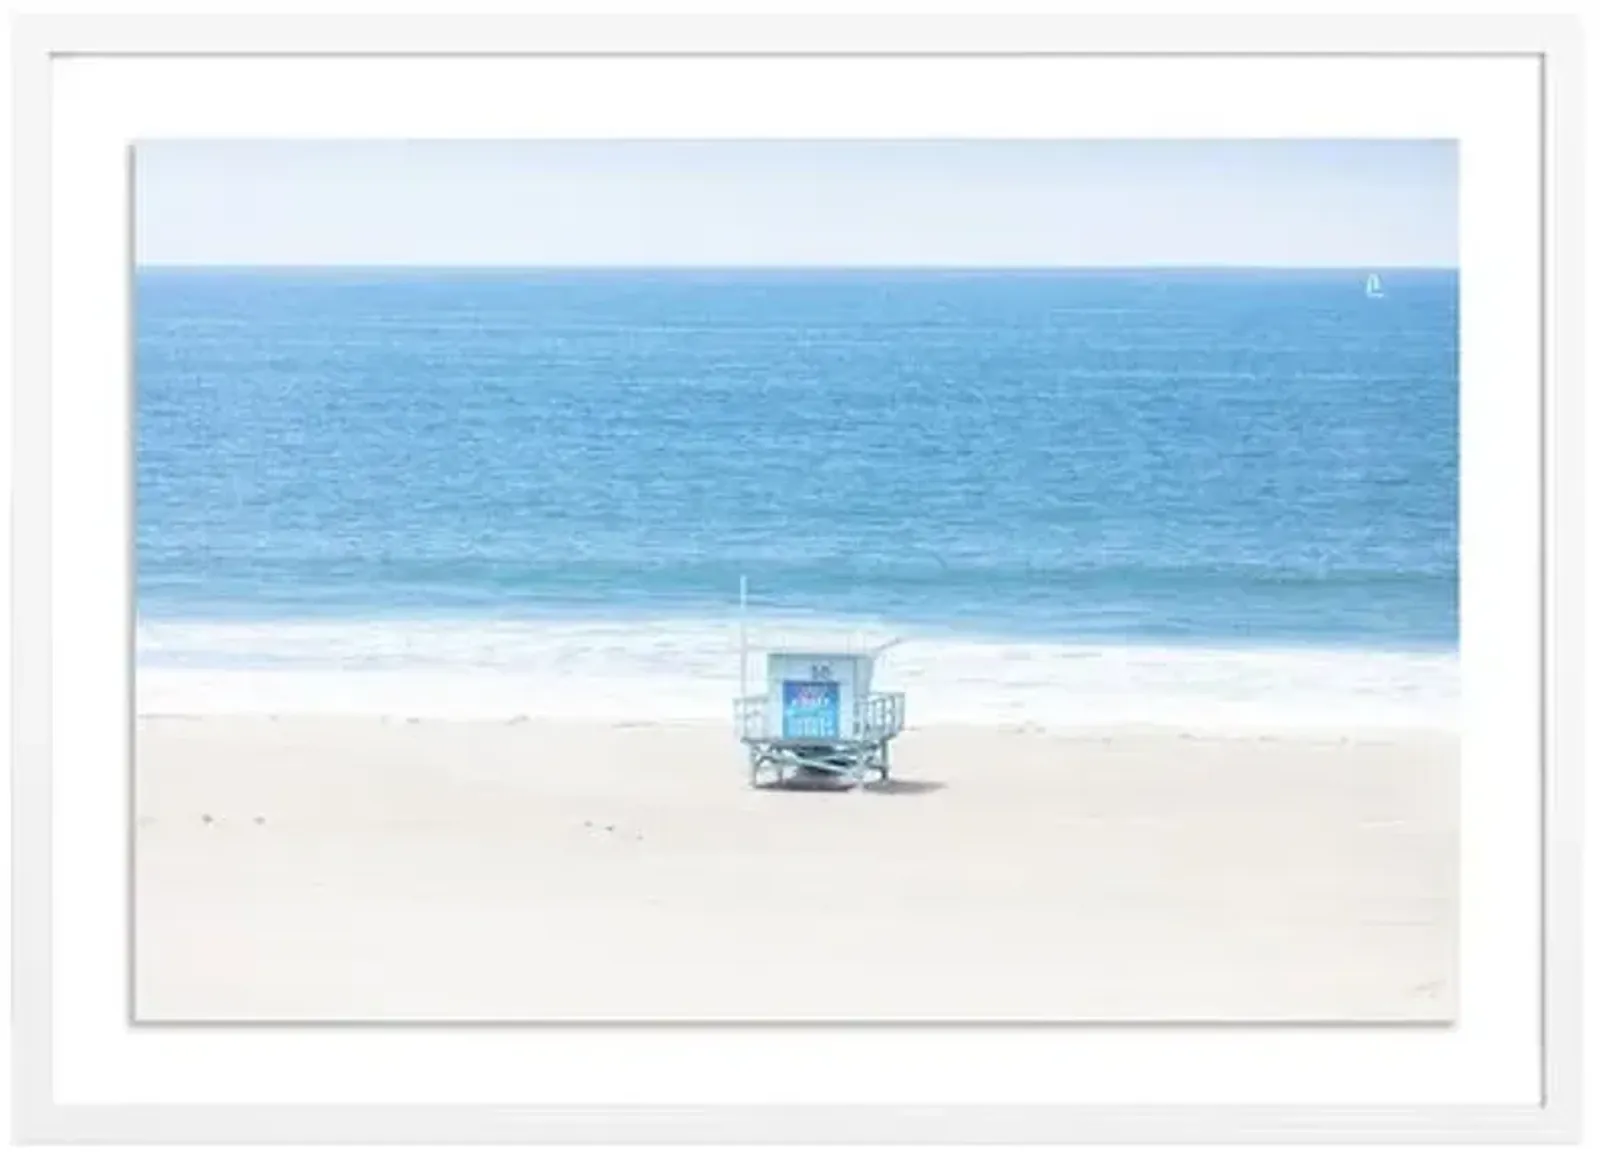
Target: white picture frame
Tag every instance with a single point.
(58, 1100)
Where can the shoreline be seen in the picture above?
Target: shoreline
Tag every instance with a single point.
(765, 626)
(690, 673)
(1355, 733)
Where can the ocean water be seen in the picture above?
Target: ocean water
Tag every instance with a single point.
(1079, 496)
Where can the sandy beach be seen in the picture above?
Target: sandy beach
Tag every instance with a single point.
(303, 868)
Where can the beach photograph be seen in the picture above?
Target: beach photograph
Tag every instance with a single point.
(795, 580)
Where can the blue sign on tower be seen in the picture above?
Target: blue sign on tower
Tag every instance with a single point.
(811, 709)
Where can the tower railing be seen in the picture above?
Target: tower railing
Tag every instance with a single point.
(877, 717)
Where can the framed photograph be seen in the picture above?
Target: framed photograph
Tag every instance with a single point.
(796, 580)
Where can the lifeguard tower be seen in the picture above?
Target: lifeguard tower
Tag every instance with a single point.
(818, 723)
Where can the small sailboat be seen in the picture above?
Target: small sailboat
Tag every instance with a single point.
(1374, 286)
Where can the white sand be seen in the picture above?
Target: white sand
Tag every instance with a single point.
(368, 869)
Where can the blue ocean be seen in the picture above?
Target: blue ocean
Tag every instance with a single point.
(1126, 490)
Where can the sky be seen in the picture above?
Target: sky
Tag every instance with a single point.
(1369, 204)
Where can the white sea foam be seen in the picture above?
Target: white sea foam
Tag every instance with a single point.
(688, 670)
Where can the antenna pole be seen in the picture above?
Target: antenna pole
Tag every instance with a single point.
(744, 667)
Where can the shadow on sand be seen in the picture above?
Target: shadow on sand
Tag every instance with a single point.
(900, 785)
(803, 784)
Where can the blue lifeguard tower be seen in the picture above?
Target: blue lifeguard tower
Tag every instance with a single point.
(818, 723)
